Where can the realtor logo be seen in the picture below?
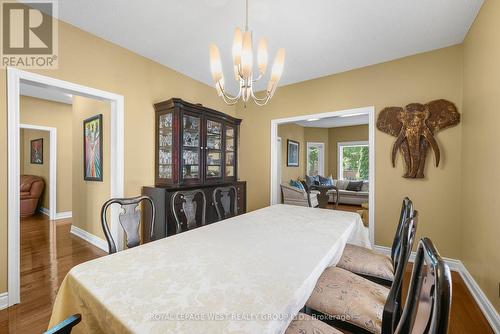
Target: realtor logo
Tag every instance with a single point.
(29, 34)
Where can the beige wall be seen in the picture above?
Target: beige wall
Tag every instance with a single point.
(57, 115)
(420, 78)
(88, 196)
(88, 60)
(343, 134)
(43, 170)
(480, 177)
(292, 132)
(302, 135)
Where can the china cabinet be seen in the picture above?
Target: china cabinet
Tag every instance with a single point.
(194, 144)
(195, 148)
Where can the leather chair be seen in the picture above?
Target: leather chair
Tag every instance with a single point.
(31, 190)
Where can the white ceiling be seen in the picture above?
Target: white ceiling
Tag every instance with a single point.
(335, 122)
(45, 93)
(321, 37)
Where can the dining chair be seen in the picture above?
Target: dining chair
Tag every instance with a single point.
(305, 324)
(226, 202)
(427, 307)
(356, 304)
(372, 265)
(129, 218)
(65, 326)
(189, 209)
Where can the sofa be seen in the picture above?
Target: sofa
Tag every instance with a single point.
(31, 190)
(349, 196)
(346, 196)
(296, 196)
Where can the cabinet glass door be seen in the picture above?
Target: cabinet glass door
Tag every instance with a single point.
(165, 142)
(190, 147)
(213, 150)
(230, 152)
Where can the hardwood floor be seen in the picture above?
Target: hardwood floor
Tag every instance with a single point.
(49, 251)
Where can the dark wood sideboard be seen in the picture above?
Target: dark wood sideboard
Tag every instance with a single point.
(195, 148)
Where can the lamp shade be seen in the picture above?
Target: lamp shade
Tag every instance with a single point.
(246, 55)
(215, 63)
(262, 56)
(278, 65)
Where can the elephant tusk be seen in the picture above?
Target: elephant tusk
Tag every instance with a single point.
(432, 141)
(397, 144)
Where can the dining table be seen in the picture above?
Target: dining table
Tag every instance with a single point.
(248, 274)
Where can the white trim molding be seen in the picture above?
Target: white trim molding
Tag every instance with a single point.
(482, 301)
(90, 238)
(274, 195)
(64, 215)
(45, 211)
(4, 300)
(59, 215)
(14, 79)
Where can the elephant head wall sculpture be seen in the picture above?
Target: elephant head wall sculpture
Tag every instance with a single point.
(415, 126)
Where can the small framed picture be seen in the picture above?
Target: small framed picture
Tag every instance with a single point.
(36, 152)
(292, 153)
(92, 148)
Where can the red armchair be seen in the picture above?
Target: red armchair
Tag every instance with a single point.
(31, 190)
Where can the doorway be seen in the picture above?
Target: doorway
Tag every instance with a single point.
(52, 173)
(15, 78)
(342, 117)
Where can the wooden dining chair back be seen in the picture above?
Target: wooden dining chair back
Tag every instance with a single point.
(406, 212)
(129, 218)
(427, 307)
(66, 325)
(189, 209)
(392, 307)
(226, 202)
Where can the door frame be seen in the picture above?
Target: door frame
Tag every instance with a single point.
(321, 162)
(52, 165)
(14, 79)
(370, 111)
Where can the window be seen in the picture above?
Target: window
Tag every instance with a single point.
(315, 158)
(353, 160)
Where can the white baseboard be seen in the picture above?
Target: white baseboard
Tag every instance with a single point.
(64, 215)
(59, 215)
(4, 300)
(90, 238)
(484, 303)
(45, 211)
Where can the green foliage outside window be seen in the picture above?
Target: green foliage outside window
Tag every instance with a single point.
(313, 161)
(355, 162)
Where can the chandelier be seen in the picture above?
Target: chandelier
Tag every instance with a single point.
(243, 68)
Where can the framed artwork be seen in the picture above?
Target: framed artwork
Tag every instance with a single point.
(36, 151)
(292, 153)
(92, 148)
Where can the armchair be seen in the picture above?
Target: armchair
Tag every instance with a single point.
(31, 189)
(296, 196)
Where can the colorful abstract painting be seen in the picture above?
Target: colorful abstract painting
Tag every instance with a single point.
(92, 148)
(37, 151)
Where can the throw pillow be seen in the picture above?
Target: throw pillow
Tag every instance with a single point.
(309, 180)
(354, 185)
(325, 181)
(297, 184)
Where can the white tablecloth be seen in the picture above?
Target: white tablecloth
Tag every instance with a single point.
(248, 274)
